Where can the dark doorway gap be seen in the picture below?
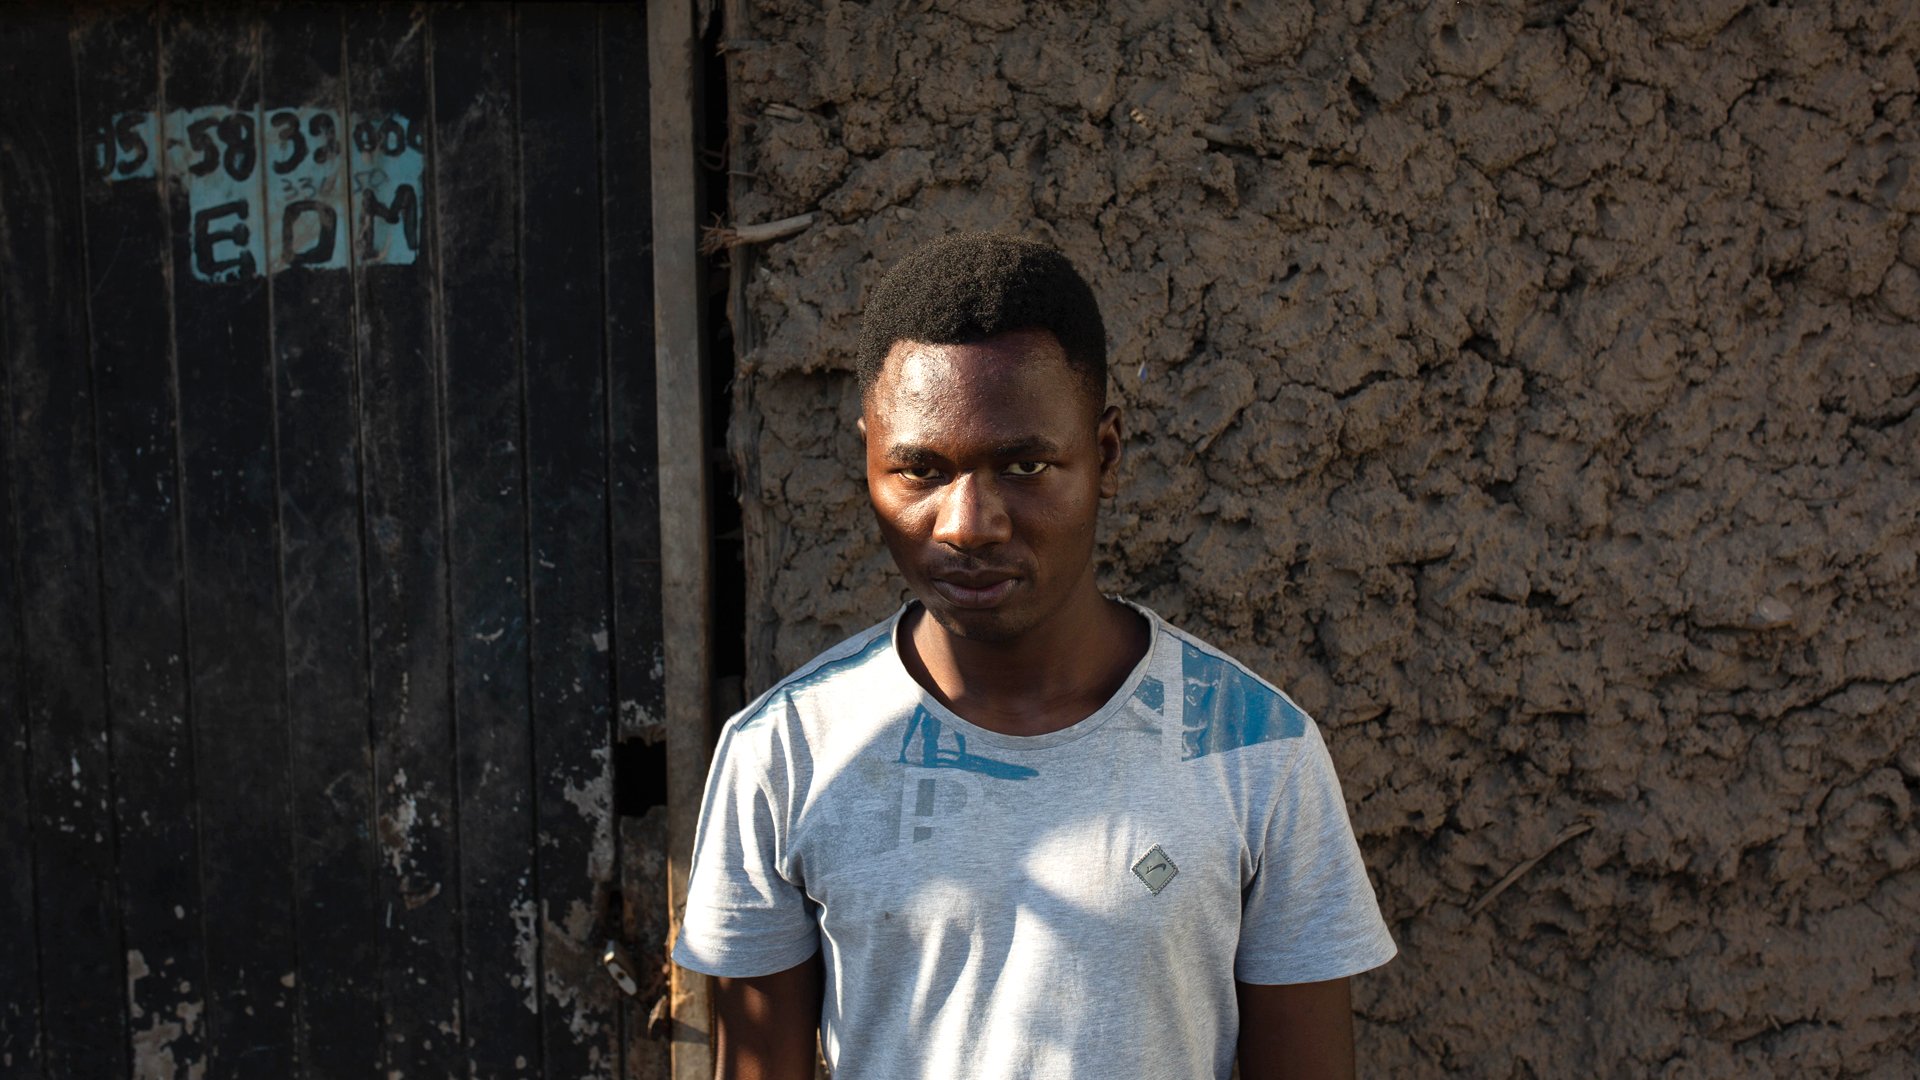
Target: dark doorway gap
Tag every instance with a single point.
(728, 539)
(639, 776)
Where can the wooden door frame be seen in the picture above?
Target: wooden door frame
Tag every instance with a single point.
(685, 562)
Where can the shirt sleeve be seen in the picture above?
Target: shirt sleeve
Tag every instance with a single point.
(1310, 913)
(743, 916)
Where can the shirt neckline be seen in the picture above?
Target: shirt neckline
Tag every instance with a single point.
(1025, 743)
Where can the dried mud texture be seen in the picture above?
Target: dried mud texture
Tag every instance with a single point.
(1529, 388)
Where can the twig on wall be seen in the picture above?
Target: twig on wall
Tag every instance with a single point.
(1517, 872)
(720, 237)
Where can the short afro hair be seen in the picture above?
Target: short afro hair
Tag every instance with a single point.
(973, 286)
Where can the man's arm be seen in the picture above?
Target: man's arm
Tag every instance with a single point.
(1300, 1031)
(764, 1027)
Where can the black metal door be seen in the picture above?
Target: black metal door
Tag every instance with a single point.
(329, 569)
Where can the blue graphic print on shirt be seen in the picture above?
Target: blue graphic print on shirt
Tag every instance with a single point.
(829, 670)
(1226, 708)
(930, 754)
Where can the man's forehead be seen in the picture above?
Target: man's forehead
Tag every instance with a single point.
(917, 369)
(1010, 400)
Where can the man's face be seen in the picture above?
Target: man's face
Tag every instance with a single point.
(986, 465)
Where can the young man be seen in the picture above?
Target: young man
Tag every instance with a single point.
(1019, 828)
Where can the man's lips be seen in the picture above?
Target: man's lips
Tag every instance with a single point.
(974, 589)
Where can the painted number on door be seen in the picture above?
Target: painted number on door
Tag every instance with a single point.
(279, 188)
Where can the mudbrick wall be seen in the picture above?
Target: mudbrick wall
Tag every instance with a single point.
(1529, 388)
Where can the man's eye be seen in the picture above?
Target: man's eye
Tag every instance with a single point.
(1027, 468)
(919, 472)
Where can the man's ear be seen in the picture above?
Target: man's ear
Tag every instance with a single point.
(1110, 435)
(860, 425)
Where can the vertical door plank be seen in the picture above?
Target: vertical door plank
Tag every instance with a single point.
(475, 197)
(567, 457)
(19, 957)
(61, 678)
(234, 628)
(337, 921)
(404, 541)
(634, 491)
(153, 758)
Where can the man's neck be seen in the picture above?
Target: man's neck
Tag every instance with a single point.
(1051, 677)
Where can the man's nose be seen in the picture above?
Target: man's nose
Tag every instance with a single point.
(972, 515)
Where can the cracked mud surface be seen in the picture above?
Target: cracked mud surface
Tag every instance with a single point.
(1529, 389)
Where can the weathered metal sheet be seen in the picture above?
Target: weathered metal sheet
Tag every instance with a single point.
(403, 539)
(326, 436)
(337, 925)
(235, 652)
(19, 950)
(19, 956)
(564, 316)
(59, 672)
(142, 561)
(473, 177)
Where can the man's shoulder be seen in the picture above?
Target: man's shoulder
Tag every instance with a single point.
(1199, 657)
(1225, 704)
(848, 662)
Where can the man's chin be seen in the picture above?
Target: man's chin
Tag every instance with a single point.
(987, 626)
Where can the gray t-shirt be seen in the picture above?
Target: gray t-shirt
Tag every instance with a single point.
(1074, 904)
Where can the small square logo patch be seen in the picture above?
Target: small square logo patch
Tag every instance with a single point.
(1155, 869)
